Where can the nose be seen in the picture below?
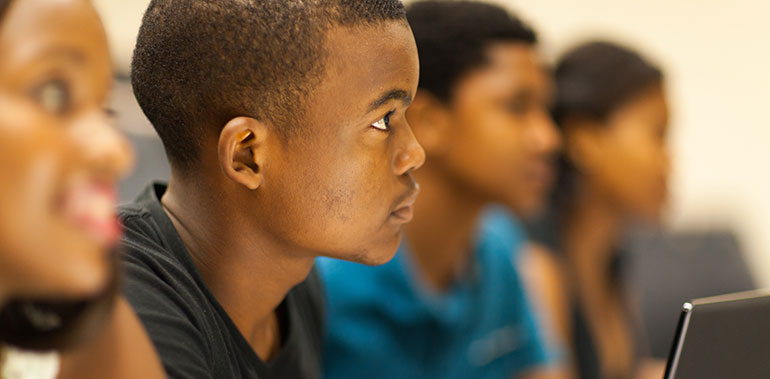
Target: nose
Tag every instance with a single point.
(409, 153)
(667, 164)
(102, 147)
(547, 138)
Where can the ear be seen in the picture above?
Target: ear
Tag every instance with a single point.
(241, 151)
(430, 122)
(583, 143)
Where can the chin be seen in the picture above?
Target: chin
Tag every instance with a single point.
(85, 275)
(84, 282)
(381, 258)
(376, 254)
(525, 208)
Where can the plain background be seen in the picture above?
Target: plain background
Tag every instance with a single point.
(716, 55)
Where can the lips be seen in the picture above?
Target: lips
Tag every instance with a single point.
(91, 207)
(541, 173)
(404, 209)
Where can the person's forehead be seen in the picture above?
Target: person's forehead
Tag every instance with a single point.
(510, 67)
(364, 61)
(515, 63)
(45, 29)
(54, 37)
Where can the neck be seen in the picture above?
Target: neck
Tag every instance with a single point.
(236, 258)
(593, 230)
(441, 234)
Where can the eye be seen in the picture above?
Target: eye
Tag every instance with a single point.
(54, 96)
(383, 123)
(111, 113)
(518, 107)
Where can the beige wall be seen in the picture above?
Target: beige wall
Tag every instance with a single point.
(717, 57)
(121, 19)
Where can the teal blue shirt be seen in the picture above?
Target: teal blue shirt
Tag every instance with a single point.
(383, 322)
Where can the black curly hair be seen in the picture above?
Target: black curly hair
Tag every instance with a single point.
(453, 36)
(200, 63)
(4, 4)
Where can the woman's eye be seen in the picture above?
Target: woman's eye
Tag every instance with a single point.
(518, 108)
(383, 123)
(54, 96)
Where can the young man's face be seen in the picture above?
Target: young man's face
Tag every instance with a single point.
(343, 188)
(503, 137)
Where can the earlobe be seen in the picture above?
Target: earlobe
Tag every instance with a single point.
(240, 151)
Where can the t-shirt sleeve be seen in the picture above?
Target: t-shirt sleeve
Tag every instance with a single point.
(504, 233)
(180, 344)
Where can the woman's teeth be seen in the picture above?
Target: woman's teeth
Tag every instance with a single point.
(91, 206)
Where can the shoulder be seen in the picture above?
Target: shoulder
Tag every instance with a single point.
(500, 230)
(546, 282)
(159, 286)
(166, 298)
(539, 265)
(139, 228)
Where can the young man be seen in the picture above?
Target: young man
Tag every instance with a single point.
(284, 123)
(450, 304)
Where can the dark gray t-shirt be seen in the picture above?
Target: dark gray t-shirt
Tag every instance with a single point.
(191, 331)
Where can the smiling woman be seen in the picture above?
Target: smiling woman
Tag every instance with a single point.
(59, 160)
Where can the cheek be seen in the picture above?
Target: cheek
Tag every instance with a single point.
(40, 251)
(487, 155)
(32, 170)
(635, 173)
(334, 202)
(354, 192)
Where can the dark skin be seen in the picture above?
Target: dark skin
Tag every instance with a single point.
(121, 351)
(493, 142)
(625, 166)
(55, 75)
(340, 189)
(60, 157)
(628, 165)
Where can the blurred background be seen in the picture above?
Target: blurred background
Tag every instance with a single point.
(716, 57)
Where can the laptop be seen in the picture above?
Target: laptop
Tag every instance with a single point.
(723, 337)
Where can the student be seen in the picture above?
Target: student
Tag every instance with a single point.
(450, 304)
(284, 124)
(59, 160)
(612, 109)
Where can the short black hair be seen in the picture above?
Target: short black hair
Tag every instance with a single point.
(4, 4)
(595, 78)
(453, 37)
(199, 63)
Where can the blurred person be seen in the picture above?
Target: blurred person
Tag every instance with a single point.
(284, 125)
(612, 110)
(59, 161)
(450, 304)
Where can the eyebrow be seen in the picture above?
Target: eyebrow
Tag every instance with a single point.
(72, 55)
(394, 94)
